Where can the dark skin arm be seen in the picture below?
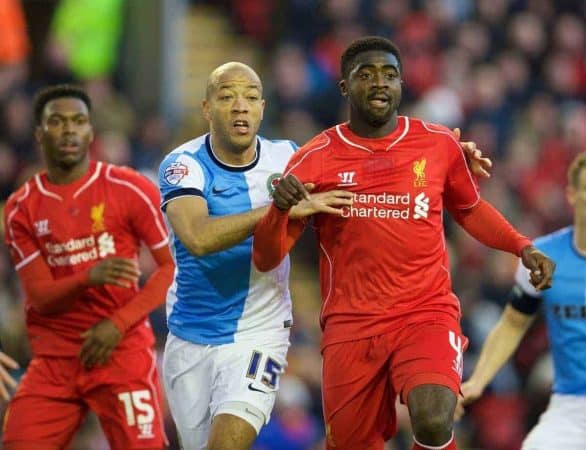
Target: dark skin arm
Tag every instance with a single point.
(102, 338)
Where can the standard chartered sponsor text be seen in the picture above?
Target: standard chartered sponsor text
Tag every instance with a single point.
(379, 206)
(80, 250)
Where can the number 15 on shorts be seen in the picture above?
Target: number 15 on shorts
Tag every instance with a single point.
(271, 372)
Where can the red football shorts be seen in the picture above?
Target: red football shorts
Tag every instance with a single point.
(56, 393)
(362, 378)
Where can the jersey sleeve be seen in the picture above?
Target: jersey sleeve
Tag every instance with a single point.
(146, 219)
(180, 176)
(460, 187)
(19, 236)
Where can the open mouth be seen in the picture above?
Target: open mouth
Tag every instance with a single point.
(69, 147)
(241, 126)
(379, 100)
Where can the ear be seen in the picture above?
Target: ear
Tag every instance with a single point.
(91, 134)
(571, 195)
(205, 107)
(343, 88)
(262, 109)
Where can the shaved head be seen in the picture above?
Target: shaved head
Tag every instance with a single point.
(225, 72)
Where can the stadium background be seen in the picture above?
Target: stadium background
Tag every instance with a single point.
(510, 73)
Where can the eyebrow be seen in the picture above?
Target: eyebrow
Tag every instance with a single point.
(370, 65)
(232, 85)
(62, 115)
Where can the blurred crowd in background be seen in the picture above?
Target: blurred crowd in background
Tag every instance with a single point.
(510, 73)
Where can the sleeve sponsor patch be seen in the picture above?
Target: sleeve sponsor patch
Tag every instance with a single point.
(176, 172)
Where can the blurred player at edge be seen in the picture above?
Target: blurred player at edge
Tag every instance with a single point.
(563, 425)
(74, 232)
(390, 320)
(228, 323)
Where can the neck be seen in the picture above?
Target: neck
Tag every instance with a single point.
(365, 130)
(65, 175)
(580, 236)
(234, 158)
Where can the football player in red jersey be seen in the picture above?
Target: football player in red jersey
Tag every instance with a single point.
(389, 317)
(74, 232)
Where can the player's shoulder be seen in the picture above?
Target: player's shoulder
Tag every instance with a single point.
(187, 150)
(319, 142)
(20, 196)
(435, 131)
(560, 240)
(124, 173)
(278, 145)
(182, 160)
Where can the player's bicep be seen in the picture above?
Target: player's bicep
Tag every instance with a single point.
(184, 214)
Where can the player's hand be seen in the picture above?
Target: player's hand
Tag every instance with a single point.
(540, 265)
(330, 202)
(121, 272)
(5, 378)
(291, 191)
(479, 165)
(100, 341)
(470, 393)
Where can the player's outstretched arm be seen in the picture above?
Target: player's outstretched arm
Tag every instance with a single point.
(5, 378)
(478, 164)
(201, 234)
(500, 345)
(488, 226)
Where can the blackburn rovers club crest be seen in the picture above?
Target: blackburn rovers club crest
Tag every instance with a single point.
(419, 171)
(272, 182)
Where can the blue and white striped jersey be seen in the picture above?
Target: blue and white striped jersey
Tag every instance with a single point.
(565, 310)
(221, 297)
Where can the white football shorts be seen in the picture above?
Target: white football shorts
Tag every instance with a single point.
(561, 426)
(202, 381)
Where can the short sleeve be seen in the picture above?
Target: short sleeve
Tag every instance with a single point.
(142, 201)
(180, 176)
(19, 236)
(460, 188)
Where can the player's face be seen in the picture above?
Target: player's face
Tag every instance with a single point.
(65, 132)
(235, 109)
(373, 87)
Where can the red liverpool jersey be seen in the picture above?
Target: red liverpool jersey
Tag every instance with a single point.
(107, 212)
(386, 258)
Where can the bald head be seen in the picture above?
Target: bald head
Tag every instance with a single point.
(227, 73)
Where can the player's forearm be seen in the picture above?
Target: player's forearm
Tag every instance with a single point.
(151, 296)
(274, 236)
(487, 225)
(49, 296)
(500, 345)
(213, 234)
